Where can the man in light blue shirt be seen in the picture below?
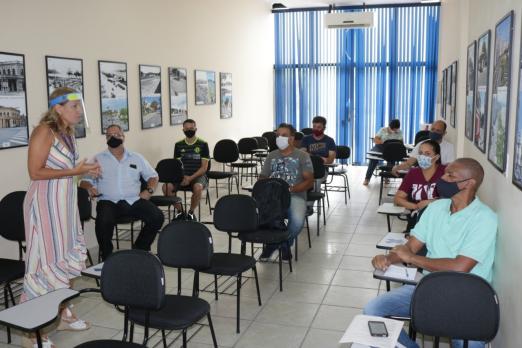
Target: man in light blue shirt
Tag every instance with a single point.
(459, 233)
(120, 193)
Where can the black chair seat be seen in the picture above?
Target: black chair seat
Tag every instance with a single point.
(11, 270)
(219, 175)
(162, 201)
(244, 165)
(108, 344)
(179, 312)
(264, 236)
(229, 264)
(261, 154)
(314, 196)
(126, 220)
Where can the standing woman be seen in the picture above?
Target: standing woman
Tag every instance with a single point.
(56, 248)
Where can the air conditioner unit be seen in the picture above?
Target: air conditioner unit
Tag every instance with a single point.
(348, 20)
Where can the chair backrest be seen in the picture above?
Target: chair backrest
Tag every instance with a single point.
(421, 135)
(12, 216)
(393, 151)
(226, 151)
(342, 153)
(246, 145)
(307, 131)
(84, 204)
(185, 244)
(271, 137)
(170, 170)
(456, 305)
(318, 164)
(262, 143)
(133, 278)
(272, 198)
(235, 213)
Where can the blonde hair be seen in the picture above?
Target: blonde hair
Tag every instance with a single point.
(52, 119)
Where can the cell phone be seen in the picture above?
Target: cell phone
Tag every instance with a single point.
(377, 328)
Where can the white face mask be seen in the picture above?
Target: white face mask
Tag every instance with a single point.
(282, 142)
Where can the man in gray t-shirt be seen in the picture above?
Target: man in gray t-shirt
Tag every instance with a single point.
(295, 167)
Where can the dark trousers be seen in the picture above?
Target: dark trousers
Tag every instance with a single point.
(373, 163)
(108, 212)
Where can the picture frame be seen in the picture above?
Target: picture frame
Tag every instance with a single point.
(517, 153)
(150, 96)
(205, 85)
(114, 97)
(225, 95)
(480, 118)
(453, 89)
(66, 72)
(470, 90)
(444, 94)
(14, 127)
(501, 85)
(178, 95)
(447, 105)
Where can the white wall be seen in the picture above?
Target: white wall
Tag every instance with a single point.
(463, 21)
(233, 36)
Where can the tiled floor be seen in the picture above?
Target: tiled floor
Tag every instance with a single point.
(329, 285)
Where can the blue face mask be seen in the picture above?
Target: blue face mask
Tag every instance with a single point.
(424, 161)
(435, 136)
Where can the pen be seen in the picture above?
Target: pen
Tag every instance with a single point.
(406, 270)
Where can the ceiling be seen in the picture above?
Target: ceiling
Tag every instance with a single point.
(325, 3)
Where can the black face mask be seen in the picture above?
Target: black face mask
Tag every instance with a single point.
(448, 189)
(189, 133)
(435, 136)
(114, 142)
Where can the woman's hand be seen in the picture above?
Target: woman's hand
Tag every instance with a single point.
(93, 169)
(423, 204)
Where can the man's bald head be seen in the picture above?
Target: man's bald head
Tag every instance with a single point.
(470, 168)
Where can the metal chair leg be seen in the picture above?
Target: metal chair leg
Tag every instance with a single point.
(280, 270)
(164, 338)
(257, 285)
(215, 287)
(238, 302)
(212, 331)
(184, 332)
(6, 305)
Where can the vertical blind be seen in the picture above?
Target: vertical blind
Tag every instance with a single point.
(358, 79)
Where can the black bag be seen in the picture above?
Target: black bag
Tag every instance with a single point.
(272, 197)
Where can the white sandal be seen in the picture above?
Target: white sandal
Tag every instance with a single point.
(69, 322)
(28, 342)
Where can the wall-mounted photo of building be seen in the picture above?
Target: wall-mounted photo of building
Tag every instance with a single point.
(205, 87)
(226, 94)
(114, 102)
(178, 95)
(150, 96)
(66, 72)
(13, 103)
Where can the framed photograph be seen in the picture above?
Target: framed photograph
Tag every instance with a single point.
(65, 72)
(150, 96)
(443, 96)
(470, 90)
(205, 87)
(447, 105)
(14, 131)
(498, 129)
(517, 154)
(225, 92)
(178, 95)
(114, 100)
(453, 98)
(480, 118)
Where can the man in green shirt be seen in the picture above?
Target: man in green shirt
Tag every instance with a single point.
(459, 233)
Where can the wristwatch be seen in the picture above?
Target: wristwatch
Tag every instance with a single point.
(150, 190)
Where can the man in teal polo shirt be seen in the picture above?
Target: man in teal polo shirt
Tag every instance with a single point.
(459, 233)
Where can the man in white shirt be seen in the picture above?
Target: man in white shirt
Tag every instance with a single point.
(437, 133)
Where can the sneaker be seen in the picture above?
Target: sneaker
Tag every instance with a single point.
(179, 216)
(190, 217)
(286, 254)
(366, 182)
(268, 250)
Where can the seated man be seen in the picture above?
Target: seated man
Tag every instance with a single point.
(392, 132)
(319, 143)
(447, 151)
(194, 154)
(295, 167)
(459, 233)
(119, 189)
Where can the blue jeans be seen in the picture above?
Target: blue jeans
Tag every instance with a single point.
(372, 164)
(397, 303)
(296, 217)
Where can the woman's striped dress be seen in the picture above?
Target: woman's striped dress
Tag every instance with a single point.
(56, 249)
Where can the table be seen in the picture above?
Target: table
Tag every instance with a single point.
(391, 240)
(379, 274)
(93, 271)
(391, 210)
(248, 188)
(359, 335)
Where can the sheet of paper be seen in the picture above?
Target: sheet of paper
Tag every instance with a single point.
(359, 333)
(399, 272)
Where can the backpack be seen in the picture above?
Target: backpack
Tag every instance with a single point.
(272, 197)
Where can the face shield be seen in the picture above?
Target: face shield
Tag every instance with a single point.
(71, 97)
